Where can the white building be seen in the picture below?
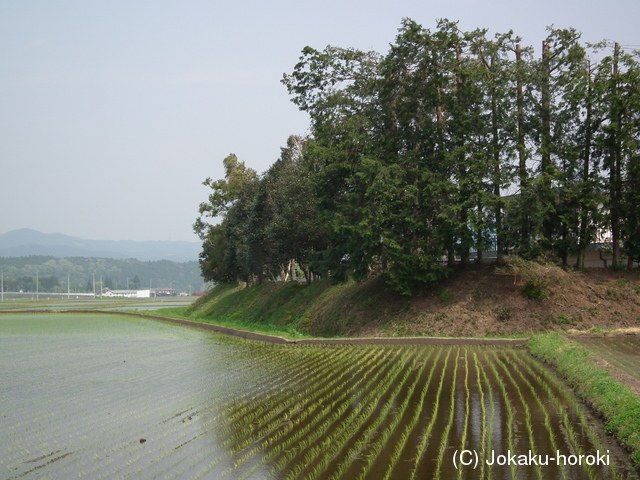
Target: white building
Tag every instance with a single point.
(107, 292)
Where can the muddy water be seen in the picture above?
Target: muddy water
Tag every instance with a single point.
(105, 396)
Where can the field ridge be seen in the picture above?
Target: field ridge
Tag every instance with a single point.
(474, 302)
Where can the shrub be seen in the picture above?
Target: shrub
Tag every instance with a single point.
(504, 314)
(534, 290)
(536, 276)
(445, 296)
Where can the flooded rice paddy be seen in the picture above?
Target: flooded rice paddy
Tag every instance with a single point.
(100, 396)
(622, 351)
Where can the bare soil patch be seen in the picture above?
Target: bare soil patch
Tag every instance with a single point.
(479, 301)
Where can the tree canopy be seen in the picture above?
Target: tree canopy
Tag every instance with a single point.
(449, 146)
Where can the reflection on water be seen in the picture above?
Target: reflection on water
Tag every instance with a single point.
(106, 396)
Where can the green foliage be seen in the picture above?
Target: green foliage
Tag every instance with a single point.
(534, 290)
(264, 308)
(537, 276)
(504, 314)
(564, 320)
(445, 296)
(619, 406)
(411, 152)
(270, 225)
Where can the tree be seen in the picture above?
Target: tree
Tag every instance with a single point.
(336, 88)
(564, 145)
(135, 283)
(619, 92)
(296, 231)
(224, 245)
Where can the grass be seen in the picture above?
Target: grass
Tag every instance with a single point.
(269, 308)
(186, 313)
(616, 402)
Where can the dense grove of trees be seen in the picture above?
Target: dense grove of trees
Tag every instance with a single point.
(451, 145)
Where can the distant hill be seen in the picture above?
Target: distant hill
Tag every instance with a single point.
(84, 274)
(24, 242)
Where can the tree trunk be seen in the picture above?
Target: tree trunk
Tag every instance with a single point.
(615, 183)
(525, 230)
(586, 161)
(495, 145)
(545, 161)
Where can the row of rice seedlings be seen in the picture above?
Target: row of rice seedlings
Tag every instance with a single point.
(467, 415)
(287, 369)
(344, 433)
(506, 403)
(293, 370)
(276, 380)
(412, 423)
(517, 359)
(559, 399)
(343, 412)
(272, 427)
(278, 442)
(240, 436)
(206, 469)
(486, 423)
(246, 410)
(573, 417)
(367, 431)
(350, 410)
(422, 446)
(341, 394)
(525, 408)
(304, 399)
(418, 365)
(452, 406)
(314, 385)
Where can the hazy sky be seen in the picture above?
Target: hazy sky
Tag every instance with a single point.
(112, 112)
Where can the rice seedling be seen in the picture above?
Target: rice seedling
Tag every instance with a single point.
(506, 405)
(451, 419)
(211, 407)
(525, 408)
(411, 424)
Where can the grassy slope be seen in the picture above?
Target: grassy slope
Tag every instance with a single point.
(291, 309)
(615, 402)
(475, 302)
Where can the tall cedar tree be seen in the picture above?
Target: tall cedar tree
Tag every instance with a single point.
(450, 144)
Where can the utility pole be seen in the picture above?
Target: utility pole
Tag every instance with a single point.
(68, 287)
(2, 283)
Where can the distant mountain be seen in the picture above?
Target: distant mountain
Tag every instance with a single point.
(23, 242)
